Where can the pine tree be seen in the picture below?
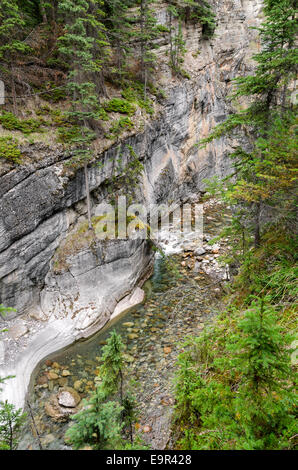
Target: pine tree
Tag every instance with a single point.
(11, 422)
(129, 414)
(198, 11)
(80, 45)
(111, 370)
(244, 398)
(148, 32)
(98, 424)
(265, 401)
(269, 91)
(12, 38)
(120, 32)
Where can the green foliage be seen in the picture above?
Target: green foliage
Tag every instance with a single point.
(111, 370)
(239, 394)
(242, 396)
(101, 422)
(80, 44)
(196, 11)
(265, 176)
(68, 134)
(11, 31)
(97, 425)
(126, 178)
(118, 105)
(119, 126)
(27, 126)
(9, 150)
(129, 414)
(4, 310)
(11, 421)
(135, 93)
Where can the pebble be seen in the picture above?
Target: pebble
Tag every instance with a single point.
(52, 375)
(152, 353)
(65, 373)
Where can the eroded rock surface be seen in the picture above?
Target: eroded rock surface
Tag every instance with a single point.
(41, 203)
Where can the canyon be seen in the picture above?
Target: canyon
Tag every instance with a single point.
(42, 205)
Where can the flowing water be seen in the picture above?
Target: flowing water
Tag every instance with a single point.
(179, 301)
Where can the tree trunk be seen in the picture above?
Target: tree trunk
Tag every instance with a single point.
(13, 90)
(43, 12)
(34, 425)
(257, 226)
(145, 85)
(10, 436)
(121, 386)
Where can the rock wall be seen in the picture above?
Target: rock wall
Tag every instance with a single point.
(41, 202)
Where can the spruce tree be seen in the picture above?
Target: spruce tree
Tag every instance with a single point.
(11, 422)
(79, 44)
(120, 32)
(12, 37)
(245, 397)
(98, 424)
(265, 402)
(268, 91)
(147, 33)
(129, 413)
(111, 370)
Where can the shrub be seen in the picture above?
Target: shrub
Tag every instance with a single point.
(66, 134)
(118, 105)
(11, 122)
(9, 149)
(119, 126)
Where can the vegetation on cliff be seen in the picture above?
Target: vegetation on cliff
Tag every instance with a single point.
(236, 383)
(94, 58)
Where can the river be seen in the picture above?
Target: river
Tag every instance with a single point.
(180, 300)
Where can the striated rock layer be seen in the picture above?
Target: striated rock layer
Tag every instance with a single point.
(41, 203)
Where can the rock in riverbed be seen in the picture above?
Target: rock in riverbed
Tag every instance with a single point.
(62, 404)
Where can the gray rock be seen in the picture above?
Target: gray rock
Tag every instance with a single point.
(68, 398)
(197, 267)
(199, 251)
(40, 203)
(18, 330)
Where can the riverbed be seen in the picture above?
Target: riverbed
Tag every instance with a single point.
(180, 300)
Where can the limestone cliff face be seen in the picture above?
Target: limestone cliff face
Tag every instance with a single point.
(40, 203)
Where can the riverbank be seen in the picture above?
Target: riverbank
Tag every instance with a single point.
(181, 299)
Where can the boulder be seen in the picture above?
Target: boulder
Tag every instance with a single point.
(199, 251)
(62, 404)
(18, 330)
(68, 397)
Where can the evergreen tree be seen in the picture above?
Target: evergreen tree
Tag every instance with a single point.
(11, 421)
(148, 32)
(97, 424)
(269, 91)
(12, 38)
(111, 370)
(102, 421)
(129, 414)
(198, 11)
(80, 46)
(247, 401)
(120, 31)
